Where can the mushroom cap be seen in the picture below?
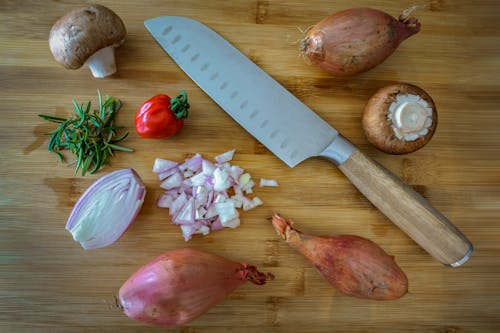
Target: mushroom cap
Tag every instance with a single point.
(378, 128)
(79, 34)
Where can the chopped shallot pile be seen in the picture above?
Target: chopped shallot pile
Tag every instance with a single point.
(203, 196)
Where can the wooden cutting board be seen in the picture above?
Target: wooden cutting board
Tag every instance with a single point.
(49, 284)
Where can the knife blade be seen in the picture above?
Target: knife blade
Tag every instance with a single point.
(293, 132)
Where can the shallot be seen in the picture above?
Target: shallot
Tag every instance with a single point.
(357, 39)
(354, 265)
(181, 285)
(203, 196)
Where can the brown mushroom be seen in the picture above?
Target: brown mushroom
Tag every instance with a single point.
(88, 34)
(400, 119)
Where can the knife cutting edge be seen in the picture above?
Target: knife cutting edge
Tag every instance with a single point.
(293, 132)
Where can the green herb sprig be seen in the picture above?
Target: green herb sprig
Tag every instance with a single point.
(90, 135)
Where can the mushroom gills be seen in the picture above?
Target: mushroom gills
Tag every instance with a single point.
(410, 117)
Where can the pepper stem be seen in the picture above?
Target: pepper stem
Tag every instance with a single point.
(179, 105)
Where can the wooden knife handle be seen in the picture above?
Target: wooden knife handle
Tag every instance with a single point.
(408, 210)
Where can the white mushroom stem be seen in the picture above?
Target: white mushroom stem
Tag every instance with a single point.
(410, 117)
(102, 63)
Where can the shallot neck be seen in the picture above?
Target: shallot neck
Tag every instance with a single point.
(412, 25)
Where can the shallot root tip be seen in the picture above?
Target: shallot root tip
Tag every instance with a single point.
(304, 41)
(303, 45)
(412, 23)
(306, 30)
(250, 273)
(117, 304)
(406, 14)
(308, 47)
(281, 225)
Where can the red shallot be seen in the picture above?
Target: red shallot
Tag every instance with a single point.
(180, 285)
(203, 196)
(354, 265)
(357, 39)
(106, 209)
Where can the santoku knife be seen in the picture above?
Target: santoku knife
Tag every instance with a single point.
(293, 132)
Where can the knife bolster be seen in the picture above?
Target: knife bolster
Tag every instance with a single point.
(339, 150)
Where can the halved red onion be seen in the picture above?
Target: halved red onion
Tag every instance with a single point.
(197, 193)
(106, 209)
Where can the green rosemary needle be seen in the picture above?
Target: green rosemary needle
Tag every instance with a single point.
(90, 135)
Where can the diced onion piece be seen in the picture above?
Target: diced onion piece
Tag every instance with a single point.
(225, 157)
(234, 223)
(200, 213)
(207, 167)
(226, 211)
(178, 203)
(162, 165)
(186, 214)
(248, 188)
(268, 182)
(237, 200)
(244, 179)
(193, 164)
(199, 179)
(216, 225)
(106, 209)
(188, 230)
(221, 180)
(236, 172)
(172, 181)
(211, 212)
(165, 201)
(204, 230)
(167, 173)
(251, 203)
(197, 193)
(257, 201)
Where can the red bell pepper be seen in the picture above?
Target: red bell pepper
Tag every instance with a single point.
(161, 116)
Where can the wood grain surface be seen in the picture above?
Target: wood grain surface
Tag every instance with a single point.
(49, 284)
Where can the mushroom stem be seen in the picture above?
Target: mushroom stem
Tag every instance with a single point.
(400, 118)
(102, 63)
(410, 119)
(410, 116)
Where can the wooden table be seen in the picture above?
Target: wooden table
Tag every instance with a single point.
(49, 284)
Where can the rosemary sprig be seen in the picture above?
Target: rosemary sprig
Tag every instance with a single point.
(90, 135)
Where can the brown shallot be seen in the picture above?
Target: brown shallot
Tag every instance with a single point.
(355, 40)
(354, 265)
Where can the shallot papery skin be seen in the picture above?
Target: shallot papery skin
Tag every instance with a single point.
(180, 285)
(354, 265)
(355, 40)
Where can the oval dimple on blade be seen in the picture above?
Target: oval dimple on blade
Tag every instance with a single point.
(167, 30)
